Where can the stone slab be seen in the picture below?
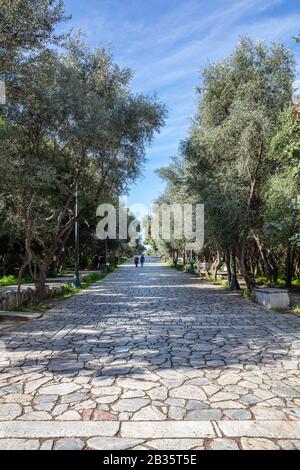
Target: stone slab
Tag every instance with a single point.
(55, 429)
(267, 429)
(167, 429)
(272, 298)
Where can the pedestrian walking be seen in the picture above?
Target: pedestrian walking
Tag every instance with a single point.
(136, 261)
(142, 260)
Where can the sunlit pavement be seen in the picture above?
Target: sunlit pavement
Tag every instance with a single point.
(151, 358)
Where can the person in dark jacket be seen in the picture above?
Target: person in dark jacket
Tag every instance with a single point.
(142, 260)
(136, 261)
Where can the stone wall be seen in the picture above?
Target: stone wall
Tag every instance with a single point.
(28, 296)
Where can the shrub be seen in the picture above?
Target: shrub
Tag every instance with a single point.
(247, 294)
(296, 309)
(11, 280)
(8, 280)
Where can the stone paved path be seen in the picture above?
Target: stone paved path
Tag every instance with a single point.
(152, 359)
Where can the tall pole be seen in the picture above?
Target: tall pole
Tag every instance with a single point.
(191, 262)
(106, 252)
(77, 282)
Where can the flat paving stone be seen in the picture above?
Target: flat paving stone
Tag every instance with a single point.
(46, 429)
(258, 444)
(130, 404)
(204, 415)
(9, 411)
(159, 355)
(19, 444)
(223, 444)
(167, 429)
(112, 443)
(174, 444)
(60, 389)
(188, 392)
(69, 444)
(271, 429)
(149, 413)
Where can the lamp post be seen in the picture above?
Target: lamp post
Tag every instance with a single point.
(234, 285)
(77, 282)
(106, 253)
(191, 261)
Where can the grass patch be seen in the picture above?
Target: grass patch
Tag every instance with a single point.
(278, 283)
(248, 294)
(12, 280)
(88, 280)
(68, 291)
(8, 281)
(169, 264)
(262, 280)
(95, 277)
(295, 310)
(217, 282)
(186, 268)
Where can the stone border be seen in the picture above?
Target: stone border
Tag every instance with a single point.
(9, 297)
(272, 298)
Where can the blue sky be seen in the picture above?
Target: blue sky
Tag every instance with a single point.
(167, 42)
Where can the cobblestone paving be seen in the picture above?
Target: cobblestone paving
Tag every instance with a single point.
(150, 358)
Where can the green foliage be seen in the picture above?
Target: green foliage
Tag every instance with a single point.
(87, 280)
(71, 121)
(296, 310)
(262, 280)
(95, 277)
(8, 281)
(240, 158)
(217, 282)
(27, 26)
(69, 291)
(248, 294)
(11, 280)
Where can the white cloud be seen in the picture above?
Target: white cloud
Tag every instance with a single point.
(168, 48)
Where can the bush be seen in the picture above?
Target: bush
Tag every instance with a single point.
(247, 294)
(11, 280)
(8, 281)
(296, 309)
(262, 280)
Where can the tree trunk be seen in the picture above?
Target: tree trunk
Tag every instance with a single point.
(198, 262)
(216, 264)
(40, 284)
(270, 267)
(228, 265)
(248, 276)
(234, 285)
(289, 266)
(20, 276)
(273, 266)
(175, 258)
